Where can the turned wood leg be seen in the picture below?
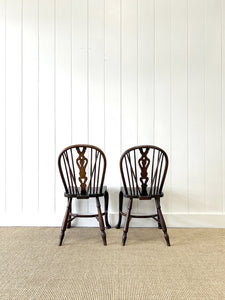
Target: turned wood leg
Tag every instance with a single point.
(127, 221)
(159, 224)
(101, 223)
(120, 210)
(65, 220)
(162, 221)
(106, 197)
(69, 223)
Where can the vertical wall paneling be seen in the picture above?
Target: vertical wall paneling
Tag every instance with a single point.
(2, 102)
(146, 82)
(96, 72)
(79, 72)
(129, 76)
(112, 98)
(47, 159)
(163, 82)
(114, 74)
(145, 71)
(213, 155)
(196, 105)
(79, 37)
(222, 96)
(30, 105)
(96, 78)
(62, 87)
(178, 165)
(13, 106)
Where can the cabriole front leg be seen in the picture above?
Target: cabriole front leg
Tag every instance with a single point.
(106, 197)
(120, 210)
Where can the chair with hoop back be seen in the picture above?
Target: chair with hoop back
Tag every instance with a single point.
(82, 169)
(143, 171)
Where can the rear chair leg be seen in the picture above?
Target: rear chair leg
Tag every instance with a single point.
(127, 221)
(162, 221)
(101, 223)
(120, 210)
(106, 197)
(65, 220)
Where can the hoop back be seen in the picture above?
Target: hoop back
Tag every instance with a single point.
(82, 169)
(143, 170)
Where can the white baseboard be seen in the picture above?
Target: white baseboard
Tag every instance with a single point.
(210, 220)
(192, 220)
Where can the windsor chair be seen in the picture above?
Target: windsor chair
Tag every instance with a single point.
(143, 170)
(82, 169)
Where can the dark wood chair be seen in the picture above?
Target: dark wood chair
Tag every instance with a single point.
(143, 171)
(82, 169)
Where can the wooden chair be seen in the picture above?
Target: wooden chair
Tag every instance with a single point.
(82, 169)
(143, 171)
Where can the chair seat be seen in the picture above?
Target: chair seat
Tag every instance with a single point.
(92, 192)
(135, 193)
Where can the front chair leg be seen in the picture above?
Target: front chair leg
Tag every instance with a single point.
(120, 210)
(162, 221)
(65, 220)
(101, 223)
(106, 197)
(69, 223)
(127, 221)
(159, 224)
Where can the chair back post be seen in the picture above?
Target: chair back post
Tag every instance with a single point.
(165, 170)
(61, 172)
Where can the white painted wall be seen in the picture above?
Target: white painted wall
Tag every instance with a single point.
(114, 74)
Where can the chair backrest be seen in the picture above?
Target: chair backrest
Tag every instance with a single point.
(143, 170)
(82, 169)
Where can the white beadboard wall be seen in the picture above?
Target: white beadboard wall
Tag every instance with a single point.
(114, 74)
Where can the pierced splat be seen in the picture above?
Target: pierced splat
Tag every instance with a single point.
(144, 162)
(82, 164)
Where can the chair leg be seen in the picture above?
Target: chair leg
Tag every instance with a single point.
(127, 221)
(65, 220)
(159, 224)
(120, 210)
(101, 223)
(106, 197)
(69, 223)
(162, 221)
